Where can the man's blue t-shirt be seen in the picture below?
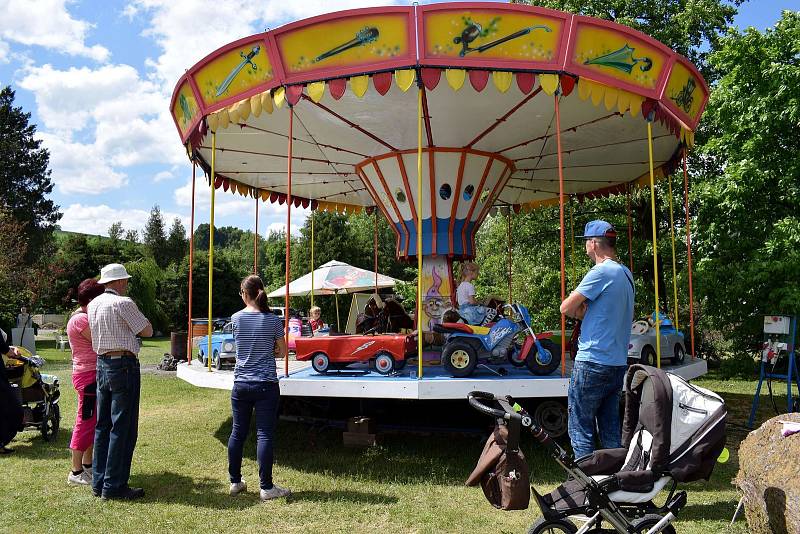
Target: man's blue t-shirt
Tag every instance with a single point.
(606, 327)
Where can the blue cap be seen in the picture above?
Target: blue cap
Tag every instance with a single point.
(598, 228)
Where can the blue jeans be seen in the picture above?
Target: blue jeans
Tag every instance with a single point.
(119, 384)
(474, 314)
(594, 393)
(245, 397)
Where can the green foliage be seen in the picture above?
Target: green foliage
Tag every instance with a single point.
(24, 176)
(143, 289)
(177, 245)
(155, 238)
(747, 189)
(115, 231)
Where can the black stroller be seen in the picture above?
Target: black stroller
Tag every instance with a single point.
(38, 393)
(672, 432)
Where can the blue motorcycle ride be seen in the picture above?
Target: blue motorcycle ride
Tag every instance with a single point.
(511, 339)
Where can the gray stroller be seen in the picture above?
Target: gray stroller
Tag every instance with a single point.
(672, 432)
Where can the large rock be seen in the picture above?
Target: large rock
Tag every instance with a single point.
(769, 477)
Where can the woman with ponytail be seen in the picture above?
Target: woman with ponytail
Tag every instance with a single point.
(258, 334)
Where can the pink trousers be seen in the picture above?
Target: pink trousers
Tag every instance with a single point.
(83, 433)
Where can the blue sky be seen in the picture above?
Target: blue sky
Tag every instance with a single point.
(97, 77)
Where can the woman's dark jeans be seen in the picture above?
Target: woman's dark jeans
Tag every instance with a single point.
(263, 397)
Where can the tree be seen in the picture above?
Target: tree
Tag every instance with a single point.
(115, 231)
(132, 236)
(154, 237)
(683, 25)
(177, 244)
(13, 246)
(747, 190)
(24, 176)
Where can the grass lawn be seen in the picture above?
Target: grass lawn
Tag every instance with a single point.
(408, 484)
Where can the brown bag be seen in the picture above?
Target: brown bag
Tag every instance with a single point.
(502, 472)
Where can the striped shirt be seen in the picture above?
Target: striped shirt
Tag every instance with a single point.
(114, 322)
(255, 334)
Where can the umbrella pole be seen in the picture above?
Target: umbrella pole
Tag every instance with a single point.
(561, 224)
(336, 298)
(211, 247)
(312, 258)
(191, 265)
(288, 240)
(655, 238)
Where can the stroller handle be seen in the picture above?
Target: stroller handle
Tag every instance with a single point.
(477, 400)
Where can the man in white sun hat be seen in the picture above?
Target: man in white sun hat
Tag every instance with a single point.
(114, 322)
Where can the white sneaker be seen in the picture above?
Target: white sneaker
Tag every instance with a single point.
(81, 479)
(275, 493)
(238, 487)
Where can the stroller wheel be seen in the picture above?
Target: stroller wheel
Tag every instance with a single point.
(640, 526)
(50, 425)
(552, 526)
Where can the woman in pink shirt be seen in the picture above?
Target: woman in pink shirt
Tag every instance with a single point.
(84, 379)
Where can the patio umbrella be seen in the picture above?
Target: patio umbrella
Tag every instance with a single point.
(332, 278)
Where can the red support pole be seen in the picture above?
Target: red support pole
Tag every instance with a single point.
(191, 266)
(255, 242)
(510, 291)
(561, 221)
(375, 248)
(288, 240)
(688, 249)
(630, 229)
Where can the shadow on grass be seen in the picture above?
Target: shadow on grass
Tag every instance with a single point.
(715, 511)
(203, 492)
(445, 459)
(355, 497)
(30, 445)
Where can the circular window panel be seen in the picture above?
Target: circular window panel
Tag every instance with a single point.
(399, 195)
(445, 191)
(469, 191)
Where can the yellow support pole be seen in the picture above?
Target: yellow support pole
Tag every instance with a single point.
(312, 258)
(211, 248)
(655, 238)
(419, 233)
(674, 263)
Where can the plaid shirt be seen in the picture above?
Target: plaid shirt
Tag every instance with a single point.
(114, 322)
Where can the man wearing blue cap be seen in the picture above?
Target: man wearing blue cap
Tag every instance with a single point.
(604, 302)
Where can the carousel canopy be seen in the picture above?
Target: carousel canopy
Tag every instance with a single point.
(334, 277)
(485, 76)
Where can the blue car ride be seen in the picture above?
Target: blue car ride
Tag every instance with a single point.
(223, 347)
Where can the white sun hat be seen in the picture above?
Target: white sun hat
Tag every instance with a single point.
(113, 271)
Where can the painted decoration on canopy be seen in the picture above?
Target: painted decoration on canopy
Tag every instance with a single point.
(467, 181)
(185, 108)
(506, 35)
(686, 94)
(344, 42)
(234, 72)
(606, 52)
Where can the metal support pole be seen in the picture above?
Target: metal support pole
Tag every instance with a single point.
(288, 240)
(418, 314)
(211, 248)
(561, 233)
(191, 265)
(688, 249)
(674, 262)
(655, 239)
(255, 242)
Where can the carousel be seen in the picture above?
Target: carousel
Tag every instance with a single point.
(434, 117)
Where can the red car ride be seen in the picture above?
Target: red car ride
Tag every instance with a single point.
(389, 351)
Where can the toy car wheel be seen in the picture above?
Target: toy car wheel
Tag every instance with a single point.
(320, 362)
(384, 363)
(202, 357)
(649, 521)
(50, 425)
(546, 361)
(649, 356)
(553, 526)
(515, 356)
(552, 416)
(680, 354)
(399, 365)
(459, 358)
(216, 360)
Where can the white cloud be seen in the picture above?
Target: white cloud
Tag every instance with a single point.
(162, 176)
(47, 23)
(185, 37)
(96, 219)
(281, 227)
(80, 168)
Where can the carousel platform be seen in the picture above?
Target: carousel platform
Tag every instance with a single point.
(362, 382)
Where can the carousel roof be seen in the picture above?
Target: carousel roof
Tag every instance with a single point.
(488, 75)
